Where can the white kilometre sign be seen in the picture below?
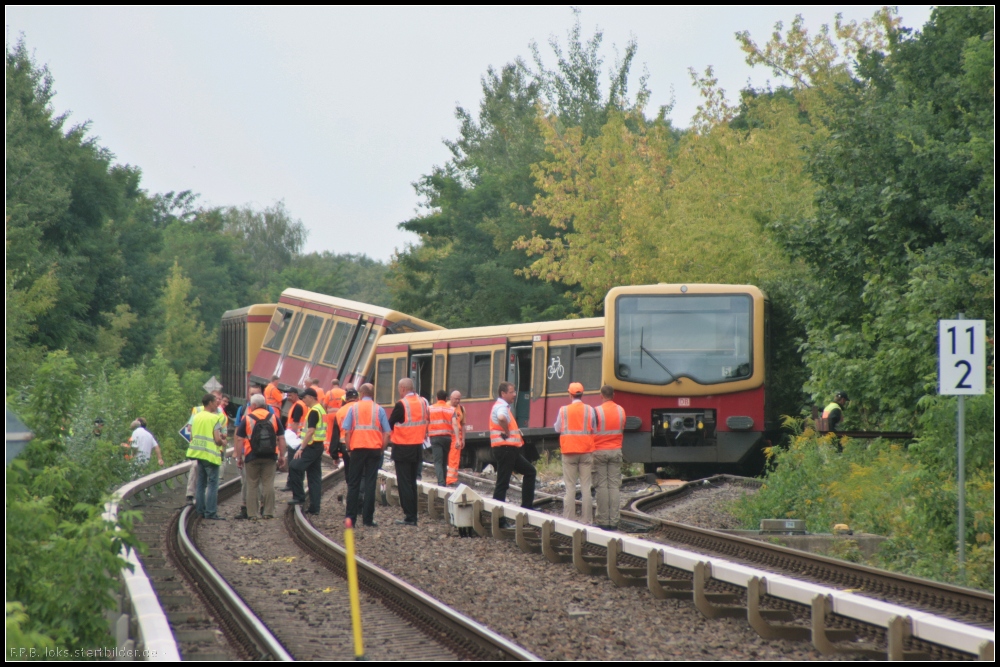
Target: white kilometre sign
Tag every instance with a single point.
(961, 357)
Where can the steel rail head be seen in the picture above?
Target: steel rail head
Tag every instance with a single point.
(253, 627)
(504, 646)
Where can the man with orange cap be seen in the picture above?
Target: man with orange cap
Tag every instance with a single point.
(575, 425)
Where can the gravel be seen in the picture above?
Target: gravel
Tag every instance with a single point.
(705, 507)
(549, 609)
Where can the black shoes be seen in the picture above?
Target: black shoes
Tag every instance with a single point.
(402, 522)
(242, 515)
(293, 501)
(311, 512)
(370, 525)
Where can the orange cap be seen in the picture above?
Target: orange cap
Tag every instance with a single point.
(575, 388)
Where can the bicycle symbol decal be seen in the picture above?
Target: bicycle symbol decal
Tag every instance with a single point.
(556, 368)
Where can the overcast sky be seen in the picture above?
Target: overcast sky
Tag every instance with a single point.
(337, 111)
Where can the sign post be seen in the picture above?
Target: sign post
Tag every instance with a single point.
(961, 372)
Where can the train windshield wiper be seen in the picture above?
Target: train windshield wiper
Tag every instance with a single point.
(642, 348)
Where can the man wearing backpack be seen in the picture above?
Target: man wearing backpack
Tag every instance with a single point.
(259, 443)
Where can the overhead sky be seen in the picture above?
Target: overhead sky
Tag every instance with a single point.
(337, 111)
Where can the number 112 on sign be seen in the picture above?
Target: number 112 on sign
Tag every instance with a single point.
(962, 357)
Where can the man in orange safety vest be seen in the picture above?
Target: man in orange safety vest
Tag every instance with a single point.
(608, 459)
(575, 425)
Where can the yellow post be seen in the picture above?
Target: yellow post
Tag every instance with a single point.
(352, 587)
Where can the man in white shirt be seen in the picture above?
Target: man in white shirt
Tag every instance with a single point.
(144, 441)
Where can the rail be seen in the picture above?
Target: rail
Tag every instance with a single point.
(900, 623)
(139, 624)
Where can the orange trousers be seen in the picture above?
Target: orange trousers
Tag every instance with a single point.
(454, 457)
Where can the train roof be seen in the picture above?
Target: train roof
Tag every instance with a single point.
(348, 304)
(503, 330)
(255, 309)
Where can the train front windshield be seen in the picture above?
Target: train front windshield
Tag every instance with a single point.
(661, 338)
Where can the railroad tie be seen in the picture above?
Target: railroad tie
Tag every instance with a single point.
(554, 551)
(665, 589)
(771, 623)
(526, 539)
(623, 576)
(586, 563)
(713, 605)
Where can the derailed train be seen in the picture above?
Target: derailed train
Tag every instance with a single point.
(689, 364)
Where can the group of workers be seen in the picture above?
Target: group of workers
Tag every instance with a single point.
(590, 443)
(349, 425)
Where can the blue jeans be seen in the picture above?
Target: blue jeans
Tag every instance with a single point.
(207, 499)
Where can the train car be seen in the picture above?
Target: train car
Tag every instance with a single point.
(688, 364)
(240, 336)
(315, 335)
(541, 359)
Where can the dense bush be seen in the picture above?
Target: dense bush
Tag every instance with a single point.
(907, 494)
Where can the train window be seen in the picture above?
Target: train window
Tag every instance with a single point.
(587, 366)
(276, 331)
(362, 366)
(705, 338)
(498, 374)
(335, 352)
(438, 372)
(324, 336)
(400, 373)
(383, 381)
(480, 375)
(558, 369)
(538, 382)
(458, 373)
(352, 354)
(307, 339)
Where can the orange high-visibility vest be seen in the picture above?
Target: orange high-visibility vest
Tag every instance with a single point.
(496, 433)
(250, 420)
(305, 413)
(341, 414)
(576, 433)
(273, 396)
(442, 420)
(610, 426)
(367, 431)
(335, 399)
(320, 394)
(414, 429)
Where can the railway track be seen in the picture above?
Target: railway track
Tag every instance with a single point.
(295, 605)
(825, 618)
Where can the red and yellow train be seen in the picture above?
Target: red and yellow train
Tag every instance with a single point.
(689, 364)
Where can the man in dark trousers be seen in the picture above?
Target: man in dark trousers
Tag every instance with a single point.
(308, 460)
(409, 421)
(367, 433)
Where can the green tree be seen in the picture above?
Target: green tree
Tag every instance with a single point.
(465, 269)
(271, 238)
(903, 230)
(184, 340)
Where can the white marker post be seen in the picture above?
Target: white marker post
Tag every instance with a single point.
(961, 372)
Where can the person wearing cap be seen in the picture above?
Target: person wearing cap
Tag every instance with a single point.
(308, 459)
(576, 424)
(143, 441)
(833, 413)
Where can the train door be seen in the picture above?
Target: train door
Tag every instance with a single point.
(519, 372)
(539, 363)
(421, 374)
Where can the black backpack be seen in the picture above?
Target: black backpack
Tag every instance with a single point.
(263, 439)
